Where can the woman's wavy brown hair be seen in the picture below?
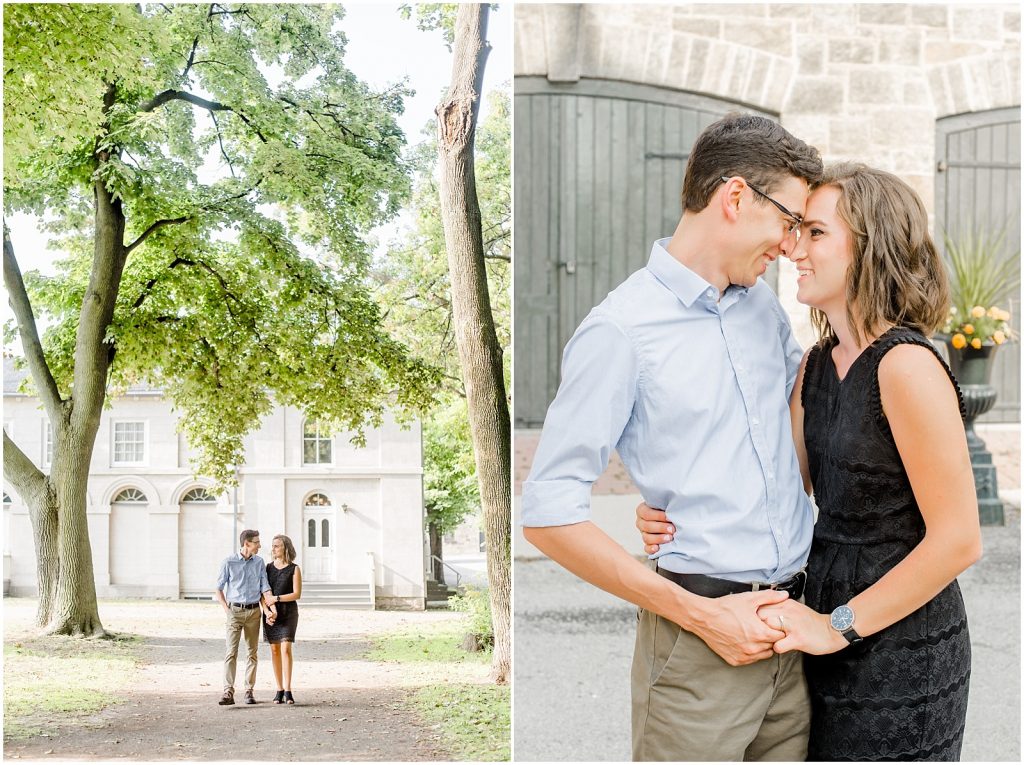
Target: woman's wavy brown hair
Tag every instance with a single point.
(896, 275)
(289, 548)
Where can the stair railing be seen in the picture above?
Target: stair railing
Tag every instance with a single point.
(373, 581)
(458, 576)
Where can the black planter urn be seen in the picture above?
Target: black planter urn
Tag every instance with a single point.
(972, 368)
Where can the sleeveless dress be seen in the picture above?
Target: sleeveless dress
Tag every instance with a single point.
(283, 628)
(901, 694)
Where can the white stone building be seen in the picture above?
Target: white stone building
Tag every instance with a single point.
(355, 515)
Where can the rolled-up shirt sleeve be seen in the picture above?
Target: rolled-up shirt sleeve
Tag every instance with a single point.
(222, 575)
(600, 375)
(264, 580)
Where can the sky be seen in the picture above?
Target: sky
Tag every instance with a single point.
(382, 49)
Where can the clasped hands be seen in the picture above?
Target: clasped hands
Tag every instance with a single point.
(748, 627)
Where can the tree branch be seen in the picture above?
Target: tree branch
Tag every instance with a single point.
(220, 140)
(159, 224)
(213, 106)
(22, 307)
(148, 289)
(191, 59)
(22, 473)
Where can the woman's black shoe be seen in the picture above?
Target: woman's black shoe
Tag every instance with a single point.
(288, 697)
(279, 697)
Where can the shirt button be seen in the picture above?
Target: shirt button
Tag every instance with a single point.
(739, 367)
(756, 421)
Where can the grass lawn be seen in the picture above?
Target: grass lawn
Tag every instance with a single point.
(51, 678)
(473, 717)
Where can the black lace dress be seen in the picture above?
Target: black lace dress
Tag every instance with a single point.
(901, 694)
(281, 583)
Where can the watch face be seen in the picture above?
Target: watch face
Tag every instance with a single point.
(842, 618)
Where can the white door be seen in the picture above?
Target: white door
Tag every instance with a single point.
(318, 544)
(205, 541)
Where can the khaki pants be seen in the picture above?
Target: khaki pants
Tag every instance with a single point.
(689, 704)
(245, 623)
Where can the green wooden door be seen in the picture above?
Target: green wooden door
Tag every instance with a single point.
(599, 171)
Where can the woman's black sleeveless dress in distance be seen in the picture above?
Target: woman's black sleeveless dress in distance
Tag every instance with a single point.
(283, 628)
(901, 694)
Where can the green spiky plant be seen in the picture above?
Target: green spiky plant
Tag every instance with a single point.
(981, 275)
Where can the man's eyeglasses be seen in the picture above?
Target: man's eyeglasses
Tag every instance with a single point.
(797, 221)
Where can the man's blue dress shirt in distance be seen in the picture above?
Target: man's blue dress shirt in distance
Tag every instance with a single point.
(243, 580)
(693, 392)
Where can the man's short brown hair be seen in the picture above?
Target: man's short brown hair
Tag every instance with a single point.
(758, 149)
(247, 536)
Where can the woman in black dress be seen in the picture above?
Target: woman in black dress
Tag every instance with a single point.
(877, 422)
(878, 425)
(286, 585)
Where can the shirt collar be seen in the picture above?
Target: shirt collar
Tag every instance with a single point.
(684, 283)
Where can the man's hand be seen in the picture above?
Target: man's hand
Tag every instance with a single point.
(731, 627)
(654, 527)
(806, 629)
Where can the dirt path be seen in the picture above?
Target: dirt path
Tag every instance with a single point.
(347, 708)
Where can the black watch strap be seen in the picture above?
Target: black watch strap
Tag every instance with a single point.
(852, 636)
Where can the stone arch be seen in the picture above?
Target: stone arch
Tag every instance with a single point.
(979, 83)
(121, 483)
(566, 43)
(188, 484)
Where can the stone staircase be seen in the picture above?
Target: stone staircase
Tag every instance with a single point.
(438, 593)
(352, 596)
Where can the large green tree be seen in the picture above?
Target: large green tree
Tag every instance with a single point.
(210, 171)
(480, 353)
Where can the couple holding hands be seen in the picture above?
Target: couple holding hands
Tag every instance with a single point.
(764, 633)
(248, 589)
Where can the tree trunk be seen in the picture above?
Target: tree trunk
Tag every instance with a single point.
(479, 351)
(58, 504)
(436, 551)
(74, 610)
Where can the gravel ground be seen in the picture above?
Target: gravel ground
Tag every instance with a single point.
(346, 709)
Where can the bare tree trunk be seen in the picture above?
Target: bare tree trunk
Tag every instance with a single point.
(57, 504)
(35, 491)
(479, 351)
(436, 551)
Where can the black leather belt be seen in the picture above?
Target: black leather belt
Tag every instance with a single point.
(244, 605)
(710, 587)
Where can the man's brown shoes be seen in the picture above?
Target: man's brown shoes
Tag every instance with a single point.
(227, 698)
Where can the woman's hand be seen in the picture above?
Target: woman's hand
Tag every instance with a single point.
(806, 630)
(654, 527)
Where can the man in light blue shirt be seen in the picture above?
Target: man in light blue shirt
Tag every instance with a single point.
(240, 584)
(686, 369)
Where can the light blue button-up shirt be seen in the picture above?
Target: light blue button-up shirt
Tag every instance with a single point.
(693, 392)
(243, 580)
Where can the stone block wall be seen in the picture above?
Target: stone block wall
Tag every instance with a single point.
(858, 81)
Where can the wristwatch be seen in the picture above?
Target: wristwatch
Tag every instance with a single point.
(841, 620)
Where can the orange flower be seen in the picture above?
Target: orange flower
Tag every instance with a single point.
(998, 337)
(959, 341)
(977, 312)
(976, 343)
(969, 329)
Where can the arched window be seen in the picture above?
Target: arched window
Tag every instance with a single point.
(325, 533)
(130, 494)
(198, 494)
(318, 500)
(311, 531)
(316, 444)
